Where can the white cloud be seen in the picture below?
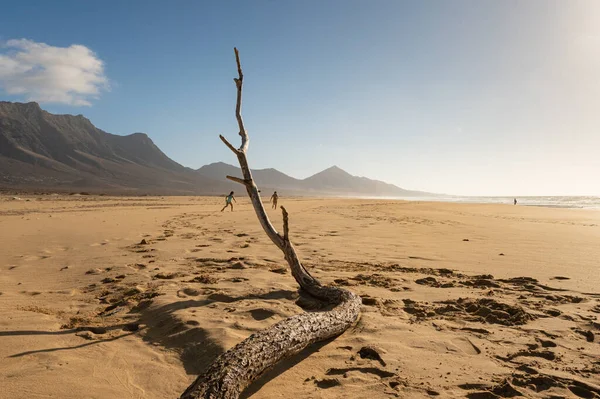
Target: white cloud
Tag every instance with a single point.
(71, 75)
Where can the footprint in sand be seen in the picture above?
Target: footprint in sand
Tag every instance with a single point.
(364, 370)
(94, 271)
(279, 270)
(537, 382)
(132, 327)
(138, 266)
(190, 291)
(32, 258)
(465, 345)
(327, 383)
(204, 279)
(261, 314)
(55, 249)
(169, 276)
(31, 293)
(219, 297)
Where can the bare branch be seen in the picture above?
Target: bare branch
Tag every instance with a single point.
(228, 144)
(238, 180)
(286, 228)
(231, 372)
(239, 81)
(239, 65)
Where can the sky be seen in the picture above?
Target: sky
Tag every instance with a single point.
(459, 97)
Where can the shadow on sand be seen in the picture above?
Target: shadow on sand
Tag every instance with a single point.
(161, 326)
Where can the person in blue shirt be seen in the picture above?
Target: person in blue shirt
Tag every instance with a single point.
(228, 202)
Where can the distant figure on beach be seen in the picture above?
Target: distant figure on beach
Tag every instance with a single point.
(273, 199)
(515, 201)
(228, 202)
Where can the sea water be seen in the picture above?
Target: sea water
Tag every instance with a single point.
(546, 201)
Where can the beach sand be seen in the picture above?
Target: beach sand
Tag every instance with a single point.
(104, 297)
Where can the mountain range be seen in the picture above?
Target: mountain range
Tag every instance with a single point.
(40, 151)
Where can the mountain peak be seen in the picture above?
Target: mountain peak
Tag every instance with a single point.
(30, 104)
(139, 135)
(29, 108)
(333, 171)
(219, 163)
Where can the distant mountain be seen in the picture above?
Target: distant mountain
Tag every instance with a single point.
(335, 180)
(45, 152)
(42, 151)
(331, 181)
(267, 178)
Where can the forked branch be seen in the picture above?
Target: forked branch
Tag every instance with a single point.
(235, 369)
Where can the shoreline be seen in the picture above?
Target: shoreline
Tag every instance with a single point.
(582, 202)
(559, 202)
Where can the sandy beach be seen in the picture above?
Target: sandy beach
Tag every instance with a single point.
(107, 297)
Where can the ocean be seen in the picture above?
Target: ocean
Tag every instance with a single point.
(546, 201)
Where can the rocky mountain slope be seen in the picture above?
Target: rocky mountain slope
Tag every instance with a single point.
(41, 151)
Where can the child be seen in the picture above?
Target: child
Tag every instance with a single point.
(274, 198)
(228, 201)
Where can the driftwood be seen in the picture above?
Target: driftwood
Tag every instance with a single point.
(235, 369)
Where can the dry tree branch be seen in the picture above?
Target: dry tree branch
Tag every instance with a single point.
(237, 180)
(228, 144)
(235, 369)
(286, 228)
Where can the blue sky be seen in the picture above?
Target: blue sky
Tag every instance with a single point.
(462, 97)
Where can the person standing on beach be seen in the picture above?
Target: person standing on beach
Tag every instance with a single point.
(515, 202)
(228, 202)
(273, 199)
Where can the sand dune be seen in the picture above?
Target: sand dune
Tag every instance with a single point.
(133, 297)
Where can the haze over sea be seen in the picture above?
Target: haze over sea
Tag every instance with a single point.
(581, 202)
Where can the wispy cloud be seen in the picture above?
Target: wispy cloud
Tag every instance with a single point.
(71, 75)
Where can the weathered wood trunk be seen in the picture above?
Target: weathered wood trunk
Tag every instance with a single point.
(235, 369)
